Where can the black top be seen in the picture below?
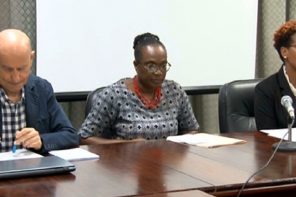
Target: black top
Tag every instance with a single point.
(269, 113)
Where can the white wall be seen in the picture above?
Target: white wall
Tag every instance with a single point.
(85, 44)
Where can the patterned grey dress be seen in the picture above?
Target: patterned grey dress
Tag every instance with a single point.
(119, 113)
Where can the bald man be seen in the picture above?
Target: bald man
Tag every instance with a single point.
(30, 114)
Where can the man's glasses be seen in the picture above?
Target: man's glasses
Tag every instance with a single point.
(152, 68)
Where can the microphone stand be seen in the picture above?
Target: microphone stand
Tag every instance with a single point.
(287, 146)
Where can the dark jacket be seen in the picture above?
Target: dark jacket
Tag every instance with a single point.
(269, 113)
(44, 114)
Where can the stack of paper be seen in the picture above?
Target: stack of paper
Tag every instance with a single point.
(74, 154)
(205, 140)
(19, 154)
(279, 133)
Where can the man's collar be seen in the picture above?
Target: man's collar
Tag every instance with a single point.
(5, 98)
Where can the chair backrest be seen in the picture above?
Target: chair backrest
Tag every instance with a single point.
(90, 100)
(236, 106)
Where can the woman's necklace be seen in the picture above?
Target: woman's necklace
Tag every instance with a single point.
(149, 103)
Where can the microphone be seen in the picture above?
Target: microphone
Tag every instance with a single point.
(286, 101)
(288, 145)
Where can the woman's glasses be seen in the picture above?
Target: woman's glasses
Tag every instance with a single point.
(152, 68)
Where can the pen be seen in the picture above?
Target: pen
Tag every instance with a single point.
(13, 148)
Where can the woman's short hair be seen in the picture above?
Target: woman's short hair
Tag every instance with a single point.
(282, 37)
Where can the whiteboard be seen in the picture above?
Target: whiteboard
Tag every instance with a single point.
(85, 44)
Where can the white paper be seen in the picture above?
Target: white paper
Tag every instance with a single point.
(19, 154)
(205, 140)
(74, 154)
(279, 133)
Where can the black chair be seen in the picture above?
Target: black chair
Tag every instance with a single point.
(90, 100)
(236, 106)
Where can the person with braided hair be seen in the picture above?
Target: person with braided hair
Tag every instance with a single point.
(146, 106)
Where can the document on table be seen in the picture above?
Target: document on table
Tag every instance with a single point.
(205, 140)
(74, 154)
(19, 154)
(279, 133)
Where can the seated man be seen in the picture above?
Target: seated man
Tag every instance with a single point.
(30, 114)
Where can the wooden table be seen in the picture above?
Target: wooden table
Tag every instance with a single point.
(163, 168)
(278, 179)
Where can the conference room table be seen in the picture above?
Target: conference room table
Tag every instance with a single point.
(164, 168)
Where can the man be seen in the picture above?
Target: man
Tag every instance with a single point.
(30, 114)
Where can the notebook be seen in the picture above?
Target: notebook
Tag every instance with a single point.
(34, 167)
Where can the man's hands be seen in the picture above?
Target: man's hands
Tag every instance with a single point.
(28, 138)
